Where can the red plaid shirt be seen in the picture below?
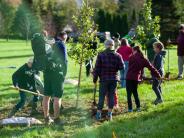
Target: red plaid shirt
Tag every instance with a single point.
(108, 64)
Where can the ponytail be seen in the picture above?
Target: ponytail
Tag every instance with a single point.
(138, 49)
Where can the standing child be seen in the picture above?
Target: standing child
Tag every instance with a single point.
(125, 51)
(107, 66)
(158, 63)
(137, 63)
(24, 78)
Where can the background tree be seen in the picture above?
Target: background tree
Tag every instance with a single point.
(86, 28)
(26, 23)
(148, 25)
(7, 11)
(169, 15)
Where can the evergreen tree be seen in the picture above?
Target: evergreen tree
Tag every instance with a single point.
(169, 19)
(101, 20)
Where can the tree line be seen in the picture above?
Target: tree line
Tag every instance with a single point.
(21, 18)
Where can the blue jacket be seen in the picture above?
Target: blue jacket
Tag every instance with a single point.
(159, 62)
(60, 51)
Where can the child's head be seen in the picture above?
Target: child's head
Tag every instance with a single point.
(158, 46)
(30, 62)
(124, 42)
(137, 49)
(109, 43)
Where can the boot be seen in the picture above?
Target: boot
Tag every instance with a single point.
(98, 116)
(158, 101)
(109, 116)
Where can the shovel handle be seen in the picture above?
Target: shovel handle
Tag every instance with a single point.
(27, 91)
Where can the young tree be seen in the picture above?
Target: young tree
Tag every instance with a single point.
(148, 25)
(86, 29)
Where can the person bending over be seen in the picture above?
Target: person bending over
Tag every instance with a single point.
(23, 78)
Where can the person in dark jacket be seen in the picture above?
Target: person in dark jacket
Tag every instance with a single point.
(158, 63)
(24, 78)
(137, 63)
(54, 77)
(149, 47)
(180, 51)
(108, 64)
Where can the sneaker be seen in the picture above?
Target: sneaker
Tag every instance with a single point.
(139, 109)
(12, 112)
(158, 101)
(98, 116)
(179, 78)
(109, 116)
(130, 110)
(58, 121)
(48, 120)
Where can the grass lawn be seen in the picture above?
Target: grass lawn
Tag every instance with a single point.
(162, 121)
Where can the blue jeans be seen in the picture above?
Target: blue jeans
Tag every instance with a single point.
(123, 74)
(22, 101)
(157, 88)
(107, 88)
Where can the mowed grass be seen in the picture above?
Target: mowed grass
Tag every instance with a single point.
(162, 121)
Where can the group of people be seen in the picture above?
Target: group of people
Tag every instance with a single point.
(50, 56)
(130, 62)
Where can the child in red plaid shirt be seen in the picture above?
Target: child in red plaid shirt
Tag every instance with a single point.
(107, 66)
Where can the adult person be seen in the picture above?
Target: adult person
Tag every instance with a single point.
(54, 77)
(125, 51)
(137, 63)
(180, 51)
(149, 48)
(23, 78)
(108, 64)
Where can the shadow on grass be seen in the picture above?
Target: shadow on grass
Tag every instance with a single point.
(162, 122)
(13, 57)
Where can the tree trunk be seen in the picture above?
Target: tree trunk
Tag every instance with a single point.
(79, 79)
